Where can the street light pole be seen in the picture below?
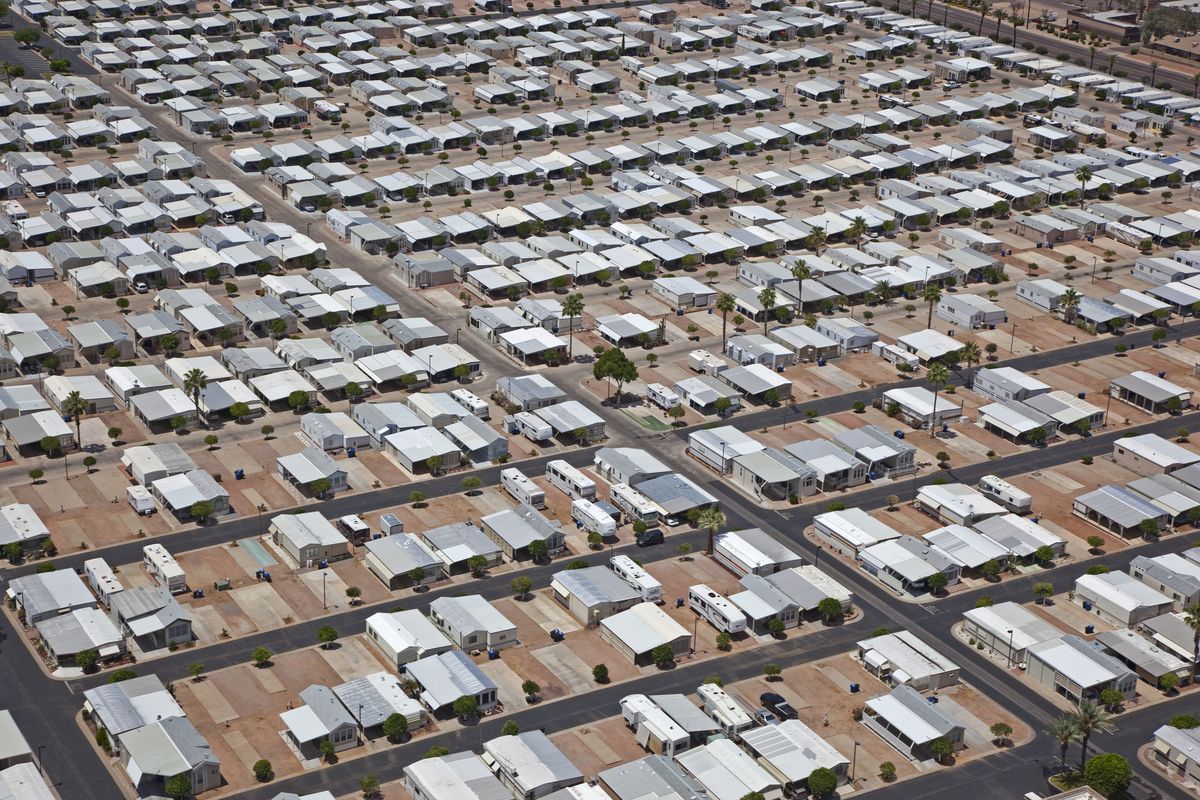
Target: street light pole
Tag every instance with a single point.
(1012, 340)
(1010, 645)
(324, 604)
(853, 763)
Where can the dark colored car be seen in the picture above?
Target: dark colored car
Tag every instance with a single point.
(775, 702)
(649, 538)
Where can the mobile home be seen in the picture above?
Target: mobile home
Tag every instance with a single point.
(1007, 495)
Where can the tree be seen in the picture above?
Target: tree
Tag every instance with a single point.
(1169, 682)
(857, 230)
(572, 308)
(178, 423)
(766, 299)
(1083, 175)
(776, 626)
(260, 656)
(801, 273)
(123, 674)
(816, 240)
(538, 550)
(1191, 617)
(437, 751)
(75, 406)
(267, 430)
(937, 376)
(990, 569)
(1069, 303)
(614, 365)
(709, 520)
(297, 400)
(725, 304)
(195, 670)
(239, 411)
(353, 593)
(201, 510)
(263, 771)
(1111, 699)
(328, 751)
(326, 635)
(510, 729)
(211, 440)
(941, 748)
(353, 391)
(1108, 773)
(530, 689)
(1148, 528)
(87, 659)
(830, 609)
(1095, 543)
(887, 771)
(936, 582)
(416, 576)
(114, 433)
(1000, 732)
(1064, 731)
(1184, 721)
(521, 585)
(1044, 554)
(477, 565)
(600, 673)
(194, 382)
(416, 497)
(1043, 591)
(931, 295)
(465, 707)
(1089, 720)
(724, 641)
(369, 786)
(178, 786)
(320, 486)
(50, 445)
(970, 355)
(821, 782)
(772, 671)
(662, 656)
(394, 727)
(35, 475)
(27, 37)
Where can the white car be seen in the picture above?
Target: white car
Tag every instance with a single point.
(140, 287)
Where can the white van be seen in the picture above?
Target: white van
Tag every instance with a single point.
(632, 573)
(472, 402)
(522, 487)
(592, 518)
(141, 499)
(720, 612)
(532, 427)
(662, 397)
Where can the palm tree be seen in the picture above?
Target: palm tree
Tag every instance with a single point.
(766, 298)
(573, 308)
(858, 229)
(725, 304)
(194, 382)
(984, 10)
(1069, 304)
(931, 295)
(1089, 718)
(885, 292)
(1191, 616)
(710, 519)
(1083, 175)
(1064, 732)
(970, 356)
(1000, 17)
(816, 240)
(801, 273)
(1153, 71)
(937, 376)
(75, 407)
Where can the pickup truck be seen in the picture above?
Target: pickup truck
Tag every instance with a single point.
(775, 703)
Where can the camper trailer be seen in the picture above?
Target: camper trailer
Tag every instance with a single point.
(472, 402)
(522, 488)
(705, 362)
(634, 504)
(141, 499)
(102, 579)
(592, 518)
(570, 480)
(629, 571)
(163, 567)
(1007, 495)
(662, 397)
(532, 427)
(724, 710)
(720, 612)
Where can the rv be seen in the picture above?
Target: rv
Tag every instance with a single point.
(716, 608)
(1007, 495)
(724, 710)
(532, 427)
(662, 397)
(592, 518)
(472, 402)
(354, 528)
(164, 568)
(629, 571)
(705, 362)
(522, 487)
(141, 499)
(653, 729)
(634, 504)
(102, 579)
(570, 481)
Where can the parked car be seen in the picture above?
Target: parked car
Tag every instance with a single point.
(648, 538)
(775, 702)
(764, 717)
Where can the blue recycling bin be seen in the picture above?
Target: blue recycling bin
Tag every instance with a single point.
(854, 688)
(1087, 605)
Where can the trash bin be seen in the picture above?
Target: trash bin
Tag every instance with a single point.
(1087, 605)
(854, 688)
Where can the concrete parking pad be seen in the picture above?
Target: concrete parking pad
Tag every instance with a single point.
(263, 605)
(351, 659)
(549, 614)
(240, 745)
(268, 680)
(209, 696)
(507, 681)
(567, 667)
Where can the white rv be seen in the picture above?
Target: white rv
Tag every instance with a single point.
(141, 499)
(570, 480)
(102, 579)
(592, 518)
(163, 567)
(522, 487)
(724, 710)
(720, 612)
(532, 427)
(662, 397)
(1007, 495)
(629, 571)
(472, 402)
(634, 504)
